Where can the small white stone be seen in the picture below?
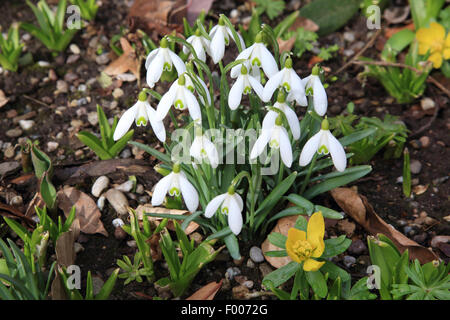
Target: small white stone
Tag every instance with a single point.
(43, 64)
(74, 48)
(126, 186)
(101, 203)
(52, 146)
(256, 254)
(126, 77)
(118, 201)
(99, 185)
(117, 222)
(117, 93)
(26, 124)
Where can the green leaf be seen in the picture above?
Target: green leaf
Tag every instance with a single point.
(107, 288)
(328, 213)
(397, 43)
(159, 155)
(121, 143)
(335, 246)
(317, 283)
(330, 15)
(281, 275)
(284, 25)
(276, 254)
(301, 202)
(48, 192)
(273, 8)
(277, 239)
(232, 244)
(94, 144)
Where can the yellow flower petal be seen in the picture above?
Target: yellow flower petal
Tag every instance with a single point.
(294, 235)
(446, 54)
(312, 265)
(315, 233)
(436, 58)
(437, 31)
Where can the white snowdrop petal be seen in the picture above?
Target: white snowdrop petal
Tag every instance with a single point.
(190, 195)
(199, 50)
(293, 121)
(319, 98)
(125, 122)
(245, 54)
(214, 204)
(161, 188)
(269, 120)
(310, 148)
(260, 143)
(257, 87)
(296, 83)
(192, 104)
(217, 46)
(154, 70)
(196, 148)
(211, 152)
(337, 152)
(239, 201)
(157, 125)
(285, 148)
(235, 220)
(177, 62)
(150, 57)
(268, 62)
(166, 102)
(305, 82)
(272, 84)
(235, 94)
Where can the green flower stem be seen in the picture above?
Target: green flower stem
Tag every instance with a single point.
(308, 174)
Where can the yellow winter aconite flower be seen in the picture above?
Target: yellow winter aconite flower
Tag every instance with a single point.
(434, 40)
(302, 246)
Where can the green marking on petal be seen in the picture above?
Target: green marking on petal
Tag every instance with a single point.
(224, 210)
(167, 67)
(141, 121)
(274, 144)
(174, 192)
(227, 41)
(323, 150)
(287, 87)
(203, 152)
(309, 91)
(247, 90)
(256, 61)
(179, 105)
(191, 88)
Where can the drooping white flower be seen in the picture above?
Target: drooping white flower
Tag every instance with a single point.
(190, 85)
(230, 204)
(181, 98)
(243, 85)
(202, 148)
(291, 116)
(258, 55)
(162, 59)
(289, 80)
(176, 184)
(220, 37)
(313, 86)
(200, 44)
(141, 112)
(274, 134)
(324, 142)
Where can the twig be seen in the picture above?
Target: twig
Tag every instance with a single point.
(367, 46)
(401, 65)
(428, 124)
(35, 100)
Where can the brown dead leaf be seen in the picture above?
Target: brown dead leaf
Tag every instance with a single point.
(283, 225)
(207, 292)
(346, 226)
(146, 208)
(128, 61)
(357, 206)
(391, 31)
(65, 249)
(195, 7)
(305, 23)
(286, 45)
(3, 99)
(87, 212)
(419, 189)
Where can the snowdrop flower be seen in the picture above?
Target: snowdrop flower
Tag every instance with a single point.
(202, 148)
(314, 87)
(291, 116)
(220, 37)
(259, 56)
(162, 59)
(231, 204)
(141, 113)
(243, 85)
(200, 44)
(176, 184)
(324, 142)
(289, 80)
(274, 134)
(181, 98)
(190, 85)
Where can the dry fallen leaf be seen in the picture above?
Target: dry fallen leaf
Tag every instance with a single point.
(3, 99)
(286, 45)
(195, 7)
(300, 22)
(357, 206)
(346, 226)
(207, 292)
(419, 189)
(87, 212)
(128, 61)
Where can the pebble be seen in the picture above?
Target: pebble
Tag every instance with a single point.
(62, 86)
(99, 185)
(82, 101)
(101, 202)
(234, 14)
(349, 261)
(82, 88)
(117, 93)
(52, 75)
(427, 104)
(74, 48)
(126, 77)
(197, 237)
(349, 36)
(439, 239)
(92, 118)
(9, 152)
(250, 264)
(131, 243)
(16, 201)
(125, 154)
(425, 141)
(52, 146)
(43, 64)
(357, 247)
(232, 272)
(408, 230)
(8, 167)
(249, 284)
(144, 199)
(102, 59)
(399, 180)
(72, 58)
(265, 269)
(139, 189)
(420, 238)
(14, 133)
(78, 247)
(126, 186)
(118, 201)
(415, 166)
(256, 254)
(97, 284)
